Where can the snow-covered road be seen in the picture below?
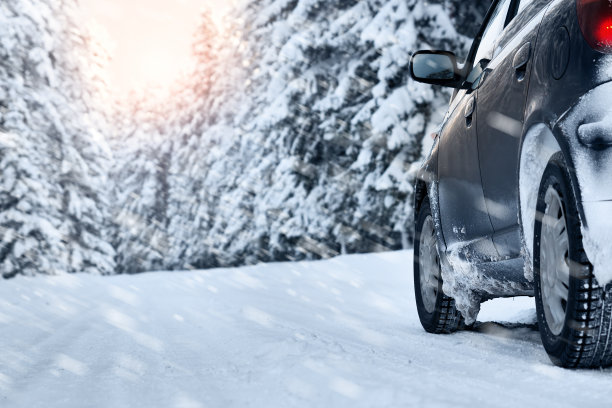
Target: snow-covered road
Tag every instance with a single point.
(342, 332)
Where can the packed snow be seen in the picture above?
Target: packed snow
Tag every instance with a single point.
(342, 332)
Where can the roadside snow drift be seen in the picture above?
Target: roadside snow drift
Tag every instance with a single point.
(343, 332)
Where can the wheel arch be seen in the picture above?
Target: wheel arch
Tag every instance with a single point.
(539, 145)
(420, 192)
(426, 186)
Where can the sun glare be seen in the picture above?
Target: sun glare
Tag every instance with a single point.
(150, 39)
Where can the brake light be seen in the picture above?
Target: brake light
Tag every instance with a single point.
(595, 18)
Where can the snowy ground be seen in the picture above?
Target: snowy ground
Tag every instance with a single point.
(336, 333)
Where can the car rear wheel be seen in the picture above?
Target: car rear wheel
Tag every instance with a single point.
(574, 315)
(437, 312)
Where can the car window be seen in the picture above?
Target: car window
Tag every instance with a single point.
(492, 32)
(522, 5)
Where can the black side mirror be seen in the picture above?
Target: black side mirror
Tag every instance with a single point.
(436, 68)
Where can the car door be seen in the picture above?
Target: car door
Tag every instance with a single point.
(463, 211)
(501, 97)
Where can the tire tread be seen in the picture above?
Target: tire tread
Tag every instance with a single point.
(446, 319)
(589, 336)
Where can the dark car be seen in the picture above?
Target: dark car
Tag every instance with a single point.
(515, 197)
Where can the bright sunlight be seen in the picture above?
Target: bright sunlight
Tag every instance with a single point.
(150, 40)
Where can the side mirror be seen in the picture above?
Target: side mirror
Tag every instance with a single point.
(436, 68)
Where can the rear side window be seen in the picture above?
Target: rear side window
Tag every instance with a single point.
(523, 5)
(492, 32)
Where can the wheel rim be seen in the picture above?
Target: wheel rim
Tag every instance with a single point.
(429, 265)
(554, 262)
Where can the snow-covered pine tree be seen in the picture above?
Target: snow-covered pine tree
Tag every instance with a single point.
(139, 187)
(205, 101)
(54, 208)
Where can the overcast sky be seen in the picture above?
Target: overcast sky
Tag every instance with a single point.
(152, 38)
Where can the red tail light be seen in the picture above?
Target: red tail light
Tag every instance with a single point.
(595, 18)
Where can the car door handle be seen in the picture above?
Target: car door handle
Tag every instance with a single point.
(521, 60)
(470, 108)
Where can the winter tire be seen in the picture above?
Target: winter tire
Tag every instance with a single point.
(437, 311)
(574, 313)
